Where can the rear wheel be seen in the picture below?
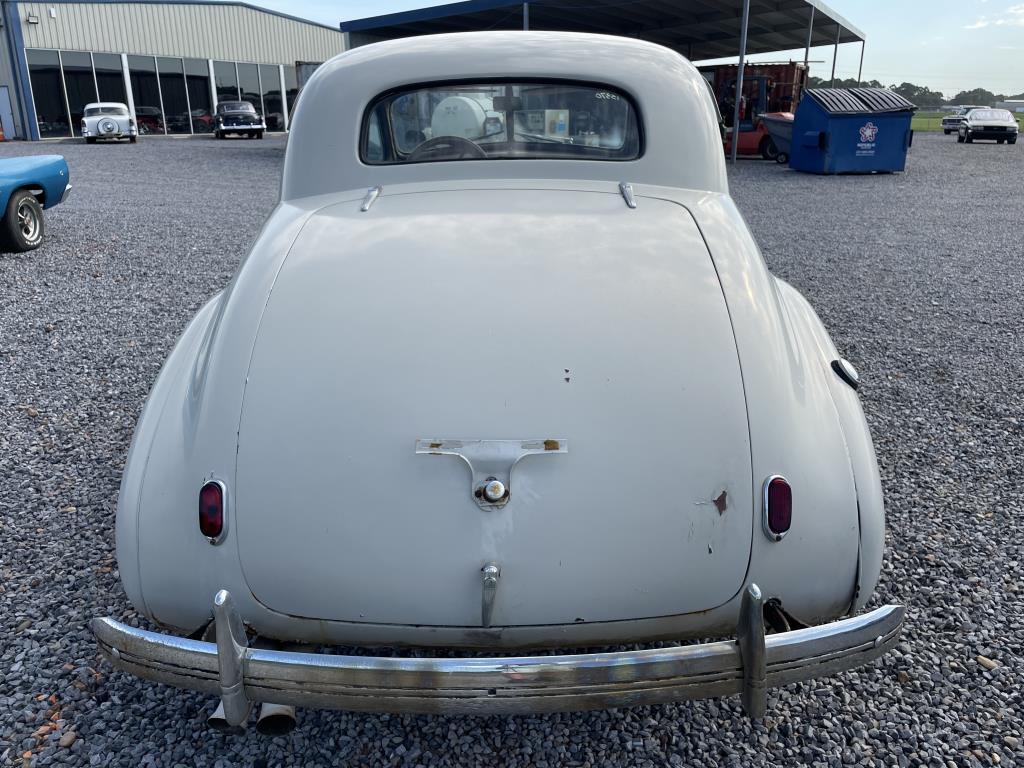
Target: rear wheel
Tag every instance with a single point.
(132, 139)
(767, 148)
(90, 139)
(1012, 140)
(959, 138)
(947, 132)
(782, 158)
(22, 227)
(968, 139)
(259, 134)
(999, 141)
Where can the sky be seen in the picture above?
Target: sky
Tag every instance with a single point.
(946, 45)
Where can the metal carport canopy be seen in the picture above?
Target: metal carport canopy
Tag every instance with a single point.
(698, 29)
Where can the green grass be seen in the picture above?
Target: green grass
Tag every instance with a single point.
(932, 121)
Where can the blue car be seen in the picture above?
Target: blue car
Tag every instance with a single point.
(27, 186)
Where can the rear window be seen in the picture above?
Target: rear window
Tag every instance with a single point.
(501, 121)
(92, 111)
(235, 106)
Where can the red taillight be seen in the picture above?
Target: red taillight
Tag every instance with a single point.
(778, 507)
(211, 510)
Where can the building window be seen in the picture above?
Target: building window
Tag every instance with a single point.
(273, 113)
(48, 93)
(109, 77)
(249, 85)
(197, 75)
(291, 88)
(175, 98)
(146, 94)
(79, 84)
(227, 80)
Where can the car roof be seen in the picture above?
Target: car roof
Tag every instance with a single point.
(682, 142)
(106, 104)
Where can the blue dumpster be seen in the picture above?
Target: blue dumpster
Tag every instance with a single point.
(851, 130)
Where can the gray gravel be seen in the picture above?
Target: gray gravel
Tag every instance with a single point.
(918, 277)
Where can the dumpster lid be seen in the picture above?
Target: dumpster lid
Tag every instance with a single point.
(841, 101)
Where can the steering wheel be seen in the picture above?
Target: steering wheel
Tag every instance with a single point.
(454, 146)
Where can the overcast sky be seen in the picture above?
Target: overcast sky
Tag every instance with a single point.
(947, 45)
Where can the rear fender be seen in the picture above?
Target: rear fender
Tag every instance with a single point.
(871, 509)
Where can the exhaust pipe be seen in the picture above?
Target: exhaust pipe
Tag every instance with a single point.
(218, 721)
(276, 719)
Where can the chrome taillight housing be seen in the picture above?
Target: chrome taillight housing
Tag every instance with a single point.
(778, 507)
(211, 511)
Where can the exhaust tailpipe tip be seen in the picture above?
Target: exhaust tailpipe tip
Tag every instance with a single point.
(276, 719)
(218, 721)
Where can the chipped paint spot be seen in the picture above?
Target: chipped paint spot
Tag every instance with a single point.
(435, 445)
(551, 445)
(721, 502)
(710, 551)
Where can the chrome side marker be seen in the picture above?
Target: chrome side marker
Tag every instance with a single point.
(844, 370)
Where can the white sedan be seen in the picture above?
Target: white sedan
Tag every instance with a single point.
(504, 369)
(108, 120)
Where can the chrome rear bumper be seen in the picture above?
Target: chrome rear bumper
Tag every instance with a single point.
(241, 675)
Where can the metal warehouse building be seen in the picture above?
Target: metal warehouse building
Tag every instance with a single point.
(170, 62)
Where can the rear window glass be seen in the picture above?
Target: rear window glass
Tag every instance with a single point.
(501, 121)
(91, 111)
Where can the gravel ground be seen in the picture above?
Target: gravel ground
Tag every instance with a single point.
(917, 276)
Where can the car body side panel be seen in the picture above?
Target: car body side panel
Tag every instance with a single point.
(187, 433)
(794, 429)
(871, 507)
(50, 172)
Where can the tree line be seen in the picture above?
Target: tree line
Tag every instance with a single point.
(920, 95)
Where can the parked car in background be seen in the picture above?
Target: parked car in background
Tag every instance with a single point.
(239, 118)
(999, 125)
(203, 121)
(951, 123)
(551, 394)
(108, 120)
(28, 185)
(149, 119)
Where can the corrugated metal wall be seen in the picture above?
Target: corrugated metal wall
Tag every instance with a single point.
(8, 78)
(206, 31)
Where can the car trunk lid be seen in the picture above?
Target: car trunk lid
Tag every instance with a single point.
(551, 317)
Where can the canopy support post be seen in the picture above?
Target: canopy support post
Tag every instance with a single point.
(810, 33)
(835, 54)
(738, 95)
(860, 69)
(526, 17)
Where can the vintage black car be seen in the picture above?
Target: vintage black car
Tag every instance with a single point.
(240, 118)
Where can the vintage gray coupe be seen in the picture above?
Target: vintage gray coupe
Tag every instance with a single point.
(504, 370)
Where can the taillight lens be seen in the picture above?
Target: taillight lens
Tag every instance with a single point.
(211, 511)
(778, 507)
